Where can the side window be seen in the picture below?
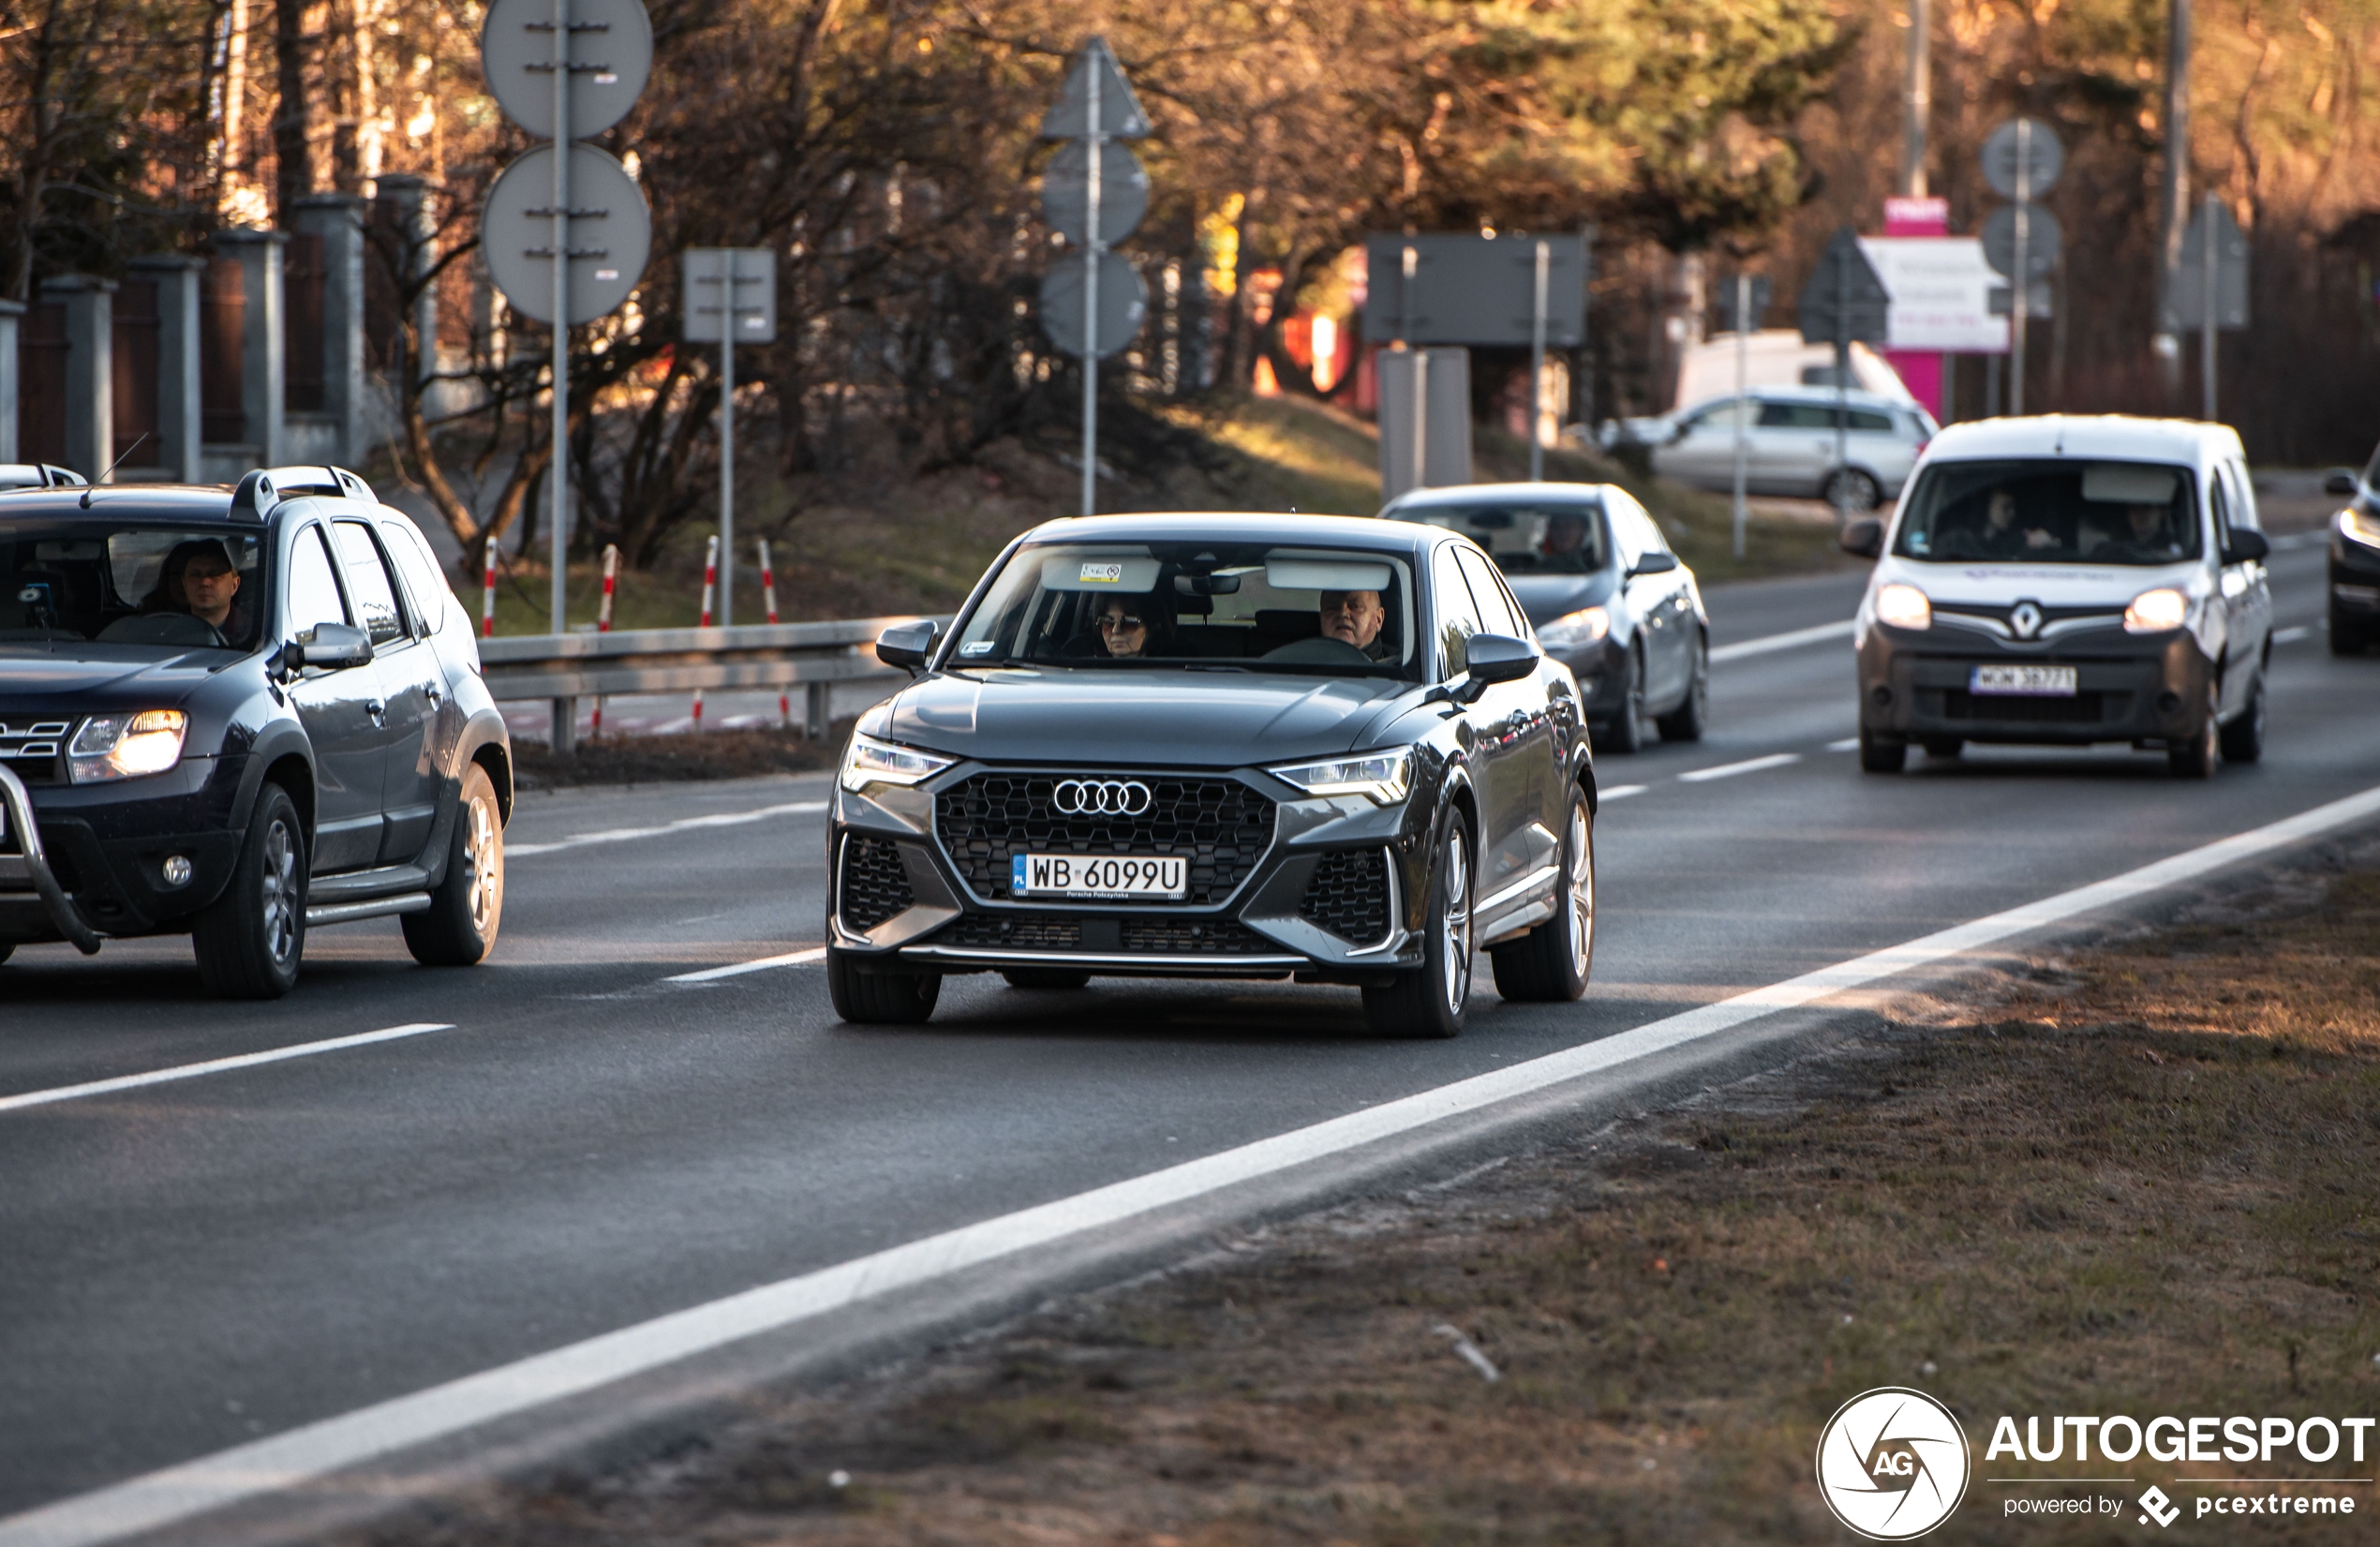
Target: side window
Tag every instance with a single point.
(367, 583)
(1496, 614)
(1627, 533)
(2220, 505)
(1868, 422)
(313, 593)
(2244, 488)
(1458, 616)
(420, 572)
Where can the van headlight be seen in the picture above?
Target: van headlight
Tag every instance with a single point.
(1384, 777)
(126, 746)
(1576, 631)
(1904, 607)
(2160, 611)
(868, 761)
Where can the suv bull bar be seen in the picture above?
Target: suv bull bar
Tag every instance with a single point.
(28, 864)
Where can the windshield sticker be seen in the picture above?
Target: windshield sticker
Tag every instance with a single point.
(978, 647)
(1107, 574)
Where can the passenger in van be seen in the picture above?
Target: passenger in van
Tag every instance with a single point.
(2149, 532)
(1354, 617)
(2001, 538)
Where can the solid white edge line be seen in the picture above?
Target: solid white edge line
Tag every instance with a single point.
(1788, 640)
(178, 1493)
(1848, 744)
(1751, 765)
(620, 835)
(215, 1065)
(791, 958)
(2292, 634)
(1621, 791)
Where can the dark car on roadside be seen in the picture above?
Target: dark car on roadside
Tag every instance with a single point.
(1222, 747)
(240, 714)
(2355, 561)
(1607, 596)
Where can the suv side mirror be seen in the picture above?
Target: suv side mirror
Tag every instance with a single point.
(1863, 537)
(1498, 658)
(908, 645)
(2338, 481)
(335, 648)
(2243, 546)
(1656, 561)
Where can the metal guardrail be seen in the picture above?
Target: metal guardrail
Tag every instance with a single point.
(564, 668)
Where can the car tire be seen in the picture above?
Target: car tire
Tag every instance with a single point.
(898, 997)
(1432, 1000)
(2195, 758)
(1881, 755)
(1944, 749)
(2244, 740)
(458, 928)
(250, 940)
(1693, 712)
(1550, 963)
(1849, 489)
(7, 949)
(1624, 732)
(1046, 977)
(2349, 634)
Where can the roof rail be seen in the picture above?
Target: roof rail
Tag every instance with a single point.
(265, 487)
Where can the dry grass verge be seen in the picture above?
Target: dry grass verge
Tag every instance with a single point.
(2142, 1179)
(673, 759)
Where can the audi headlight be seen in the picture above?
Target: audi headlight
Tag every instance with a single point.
(868, 761)
(126, 746)
(1385, 778)
(1577, 631)
(1904, 607)
(2157, 612)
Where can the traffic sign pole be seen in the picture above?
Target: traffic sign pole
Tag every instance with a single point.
(1093, 249)
(1742, 402)
(2210, 255)
(727, 454)
(1537, 364)
(2020, 281)
(559, 474)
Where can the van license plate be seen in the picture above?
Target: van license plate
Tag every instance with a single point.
(2023, 681)
(1088, 875)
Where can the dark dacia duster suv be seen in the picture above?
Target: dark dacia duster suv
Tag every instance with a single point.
(239, 714)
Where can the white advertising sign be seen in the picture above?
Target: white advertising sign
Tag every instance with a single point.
(1942, 293)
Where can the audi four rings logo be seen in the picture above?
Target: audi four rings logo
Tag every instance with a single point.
(1101, 796)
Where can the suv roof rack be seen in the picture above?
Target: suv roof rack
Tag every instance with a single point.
(266, 487)
(37, 475)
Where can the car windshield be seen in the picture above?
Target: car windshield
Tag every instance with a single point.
(2052, 510)
(1181, 606)
(1548, 537)
(166, 588)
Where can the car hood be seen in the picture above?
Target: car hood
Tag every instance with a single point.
(37, 678)
(1547, 596)
(1159, 717)
(2111, 586)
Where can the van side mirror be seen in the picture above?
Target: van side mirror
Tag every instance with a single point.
(2243, 546)
(1863, 537)
(1656, 561)
(2338, 481)
(908, 645)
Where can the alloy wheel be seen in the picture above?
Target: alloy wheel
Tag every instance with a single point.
(1582, 893)
(1454, 935)
(485, 864)
(281, 892)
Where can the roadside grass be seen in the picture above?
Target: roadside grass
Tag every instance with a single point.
(2142, 1179)
(741, 753)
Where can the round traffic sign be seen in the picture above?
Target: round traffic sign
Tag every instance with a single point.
(1065, 192)
(611, 234)
(2028, 143)
(611, 55)
(2044, 240)
(1123, 303)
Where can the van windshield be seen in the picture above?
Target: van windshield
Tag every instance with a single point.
(166, 588)
(2051, 511)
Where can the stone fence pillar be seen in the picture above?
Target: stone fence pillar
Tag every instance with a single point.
(179, 430)
(90, 369)
(263, 370)
(338, 218)
(11, 314)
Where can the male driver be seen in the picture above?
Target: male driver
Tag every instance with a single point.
(1353, 617)
(209, 583)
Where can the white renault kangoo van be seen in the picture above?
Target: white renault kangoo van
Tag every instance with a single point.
(2067, 580)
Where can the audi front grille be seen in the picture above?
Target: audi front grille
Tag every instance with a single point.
(1220, 827)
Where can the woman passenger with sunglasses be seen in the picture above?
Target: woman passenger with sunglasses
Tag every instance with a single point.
(1129, 626)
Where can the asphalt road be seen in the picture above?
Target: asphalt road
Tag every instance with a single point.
(189, 1265)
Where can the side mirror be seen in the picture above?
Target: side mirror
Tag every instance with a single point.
(1863, 537)
(2338, 481)
(2242, 545)
(908, 645)
(1498, 658)
(1658, 561)
(335, 648)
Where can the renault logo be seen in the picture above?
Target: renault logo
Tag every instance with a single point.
(1101, 796)
(2025, 620)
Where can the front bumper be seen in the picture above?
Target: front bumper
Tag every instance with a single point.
(1324, 889)
(80, 861)
(2354, 575)
(1914, 685)
(1601, 671)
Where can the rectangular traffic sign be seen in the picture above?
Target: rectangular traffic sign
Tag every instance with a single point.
(1474, 289)
(720, 281)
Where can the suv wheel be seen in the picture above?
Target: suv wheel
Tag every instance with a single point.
(2349, 633)
(1550, 963)
(2195, 756)
(2244, 740)
(1693, 711)
(250, 940)
(898, 997)
(1431, 1002)
(458, 928)
(1849, 489)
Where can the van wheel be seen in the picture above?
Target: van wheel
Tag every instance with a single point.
(1550, 963)
(1431, 1002)
(2244, 740)
(1851, 489)
(458, 928)
(1045, 978)
(896, 998)
(1881, 754)
(2196, 757)
(249, 939)
(1687, 722)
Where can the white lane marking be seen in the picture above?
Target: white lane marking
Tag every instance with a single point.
(1751, 765)
(284, 1461)
(791, 958)
(1787, 641)
(1621, 791)
(1848, 744)
(2300, 540)
(621, 835)
(2290, 636)
(217, 1065)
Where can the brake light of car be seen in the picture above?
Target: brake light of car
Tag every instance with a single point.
(2157, 612)
(126, 746)
(1904, 607)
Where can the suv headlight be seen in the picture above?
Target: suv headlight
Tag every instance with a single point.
(2357, 524)
(1385, 778)
(1904, 607)
(126, 746)
(868, 761)
(2160, 611)
(1577, 631)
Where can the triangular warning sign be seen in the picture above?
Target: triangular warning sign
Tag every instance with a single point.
(1120, 113)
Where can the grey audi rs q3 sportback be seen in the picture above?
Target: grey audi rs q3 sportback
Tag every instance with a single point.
(1221, 746)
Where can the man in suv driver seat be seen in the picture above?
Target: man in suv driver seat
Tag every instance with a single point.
(1354, 617)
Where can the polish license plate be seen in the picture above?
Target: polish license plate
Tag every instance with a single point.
(2023, 681)
(1097, 875)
